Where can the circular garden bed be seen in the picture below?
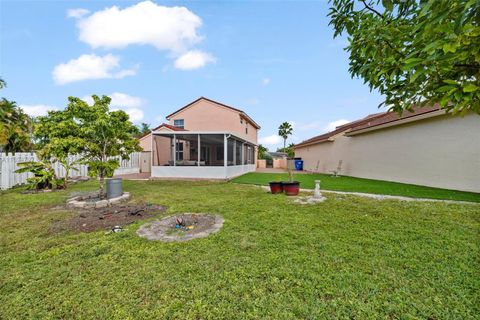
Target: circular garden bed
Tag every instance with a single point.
(181, 227)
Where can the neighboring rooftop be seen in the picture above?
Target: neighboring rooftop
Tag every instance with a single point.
(163, 125)
(371, 121)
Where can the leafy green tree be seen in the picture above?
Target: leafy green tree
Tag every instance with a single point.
(106, 134)
(15, 128)
(288, 150)
(414, 52)
(262, 151)
(144, 129)
(284, 130)
(58, 138)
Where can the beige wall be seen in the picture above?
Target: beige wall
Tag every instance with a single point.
(161, 151)
(146, 142)
(443, 152)
(261, 163)
(280, 163)
(208, 116)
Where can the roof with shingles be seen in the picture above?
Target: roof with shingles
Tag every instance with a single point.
(369, 121)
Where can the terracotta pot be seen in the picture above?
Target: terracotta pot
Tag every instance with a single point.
(276, 187)
(291, 188)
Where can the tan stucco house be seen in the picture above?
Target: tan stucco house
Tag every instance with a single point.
(424, 147)
(204, 139)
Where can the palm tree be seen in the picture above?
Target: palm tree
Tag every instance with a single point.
(284, 131)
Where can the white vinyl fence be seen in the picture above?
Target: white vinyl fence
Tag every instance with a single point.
(8, 165)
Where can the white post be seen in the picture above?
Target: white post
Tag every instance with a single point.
(225, 154)
(243, 153)
(4, 174)
(174, 150)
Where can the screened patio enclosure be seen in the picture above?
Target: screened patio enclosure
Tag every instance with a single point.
(214, 155)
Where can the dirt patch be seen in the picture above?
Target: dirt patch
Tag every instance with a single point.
(88, 220)
(181, 227)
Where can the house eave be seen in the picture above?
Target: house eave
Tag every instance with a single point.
(432, 114)
(160, 133)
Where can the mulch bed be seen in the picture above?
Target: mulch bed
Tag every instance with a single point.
(88, 220)
(181, 227)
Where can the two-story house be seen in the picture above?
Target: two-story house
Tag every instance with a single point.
(204, 139)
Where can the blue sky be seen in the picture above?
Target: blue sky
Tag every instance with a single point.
(277, 61)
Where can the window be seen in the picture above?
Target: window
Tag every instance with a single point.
(179, 147)
(246, 130)
(241, 120)
(178, 123)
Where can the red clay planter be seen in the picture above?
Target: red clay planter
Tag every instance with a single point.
(291, 188)
(276, 187)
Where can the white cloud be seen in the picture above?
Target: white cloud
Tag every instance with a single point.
(193, 60)
(77, 13)
(266, 81)
(270, 140)
(332, 125)
(173, 29)
(125, 100)
(37, 110)
(90, 66)
(122, 101)
(135, 114)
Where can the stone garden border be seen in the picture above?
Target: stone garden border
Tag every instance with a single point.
(81, 202)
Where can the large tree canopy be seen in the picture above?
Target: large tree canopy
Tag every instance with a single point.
(93, 131)
(414, 52)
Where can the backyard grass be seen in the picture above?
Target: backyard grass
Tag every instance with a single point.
(346, 258)
(352, 184)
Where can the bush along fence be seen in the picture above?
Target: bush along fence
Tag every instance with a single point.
(8, 165)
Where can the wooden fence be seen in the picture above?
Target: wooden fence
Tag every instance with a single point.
(8, 165)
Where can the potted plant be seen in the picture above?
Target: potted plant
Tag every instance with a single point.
(276, 186)
(290, 187)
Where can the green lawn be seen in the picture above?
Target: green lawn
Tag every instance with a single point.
(346, 258)
(352, 184)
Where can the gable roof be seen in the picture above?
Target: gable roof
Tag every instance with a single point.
(327, 136)
(373, 122)
(392, 118)
(242, 113)
(163, 125)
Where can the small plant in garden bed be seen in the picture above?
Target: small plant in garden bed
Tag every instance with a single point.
(44, 177)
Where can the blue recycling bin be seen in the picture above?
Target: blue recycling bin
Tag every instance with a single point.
(299, 165)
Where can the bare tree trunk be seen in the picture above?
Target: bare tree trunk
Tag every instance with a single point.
(101, 179)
